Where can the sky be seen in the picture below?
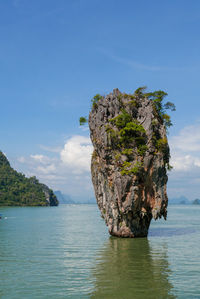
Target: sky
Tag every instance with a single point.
(56, 55)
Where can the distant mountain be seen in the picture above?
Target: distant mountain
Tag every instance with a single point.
(67, 199)
(196, 202)
(84, 200)
(18, 190)
(179, 200)
(63, 198)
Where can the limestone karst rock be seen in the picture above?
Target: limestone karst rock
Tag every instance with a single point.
(130, 160)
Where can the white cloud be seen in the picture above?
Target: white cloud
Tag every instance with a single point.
(188, 139)
(185, 159)
(185, 149)
(76, 154)
(40, 158)
(47, 169)
(182, 162)
(67, 170)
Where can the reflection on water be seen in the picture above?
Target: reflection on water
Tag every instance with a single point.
(66, 252)
(130, 268)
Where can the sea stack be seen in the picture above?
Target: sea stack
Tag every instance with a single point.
(130, 159)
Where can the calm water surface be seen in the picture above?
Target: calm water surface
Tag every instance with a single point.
(66, 252)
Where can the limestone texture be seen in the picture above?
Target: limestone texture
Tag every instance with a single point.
(129, 162)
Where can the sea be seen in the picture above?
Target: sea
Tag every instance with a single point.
(66, 252)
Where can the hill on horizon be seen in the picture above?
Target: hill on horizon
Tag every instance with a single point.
(18, 190)
(67, 199)
(180, 200)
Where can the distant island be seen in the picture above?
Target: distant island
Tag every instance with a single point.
(196, 202)
(182, 200)
(18, 190)
(67, 199)
(179, 200)
(63, 198)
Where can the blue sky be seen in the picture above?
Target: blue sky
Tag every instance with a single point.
(55, 55)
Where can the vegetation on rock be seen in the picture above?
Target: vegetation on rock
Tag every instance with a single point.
(126, 132)
(130, 159)
(82, 120)
(17, 190)
(95, 100)
(128, 168)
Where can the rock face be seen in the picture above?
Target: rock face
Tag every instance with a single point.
(129, 161)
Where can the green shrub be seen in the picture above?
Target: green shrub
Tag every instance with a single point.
(122, 119)
(95, 100)
(127, 169)
(129, 96)
(169, 167)
(170, 105)
(133, 103)
(112, 135)
(142, 148)
(82, 120)
(129, 153)
(161, 144)
(154, 122)
(157, 98)
(131, 131)
(120, 97)
(160, 108)
(139, 91)
(167, 120)
(117, 157)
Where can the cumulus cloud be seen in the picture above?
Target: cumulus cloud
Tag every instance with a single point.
(184, 162)
(185, 149)
(67, 170)
(76, 154)
(47, 169)
(188, 139)
(40, 158)
(185, 159)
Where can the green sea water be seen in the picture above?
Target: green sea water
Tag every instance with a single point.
(66, 252)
